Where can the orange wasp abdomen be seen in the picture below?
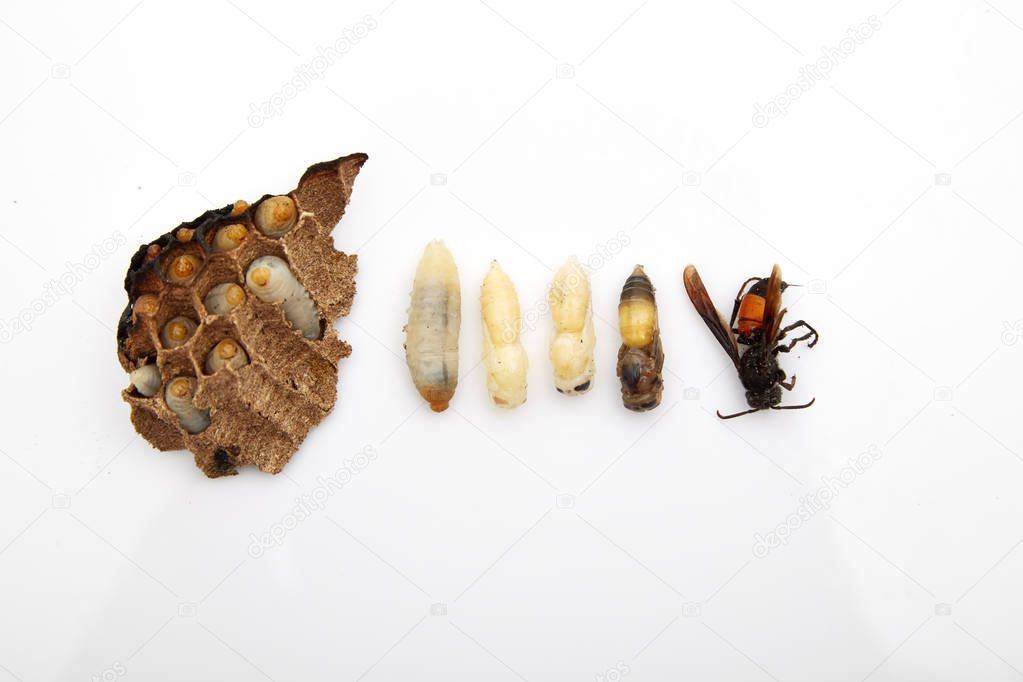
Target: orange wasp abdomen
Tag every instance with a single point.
(751, 314)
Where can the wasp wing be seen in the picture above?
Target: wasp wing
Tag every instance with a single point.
(772, 307)
(701, 301)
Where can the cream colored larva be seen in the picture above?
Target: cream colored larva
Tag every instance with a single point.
(226, 354)
(434, 319)
(574, 339)
(229, 237)
(146, 380)
(177, 331)
(275, 216)
(224, 298)
(179, 396)
(503, 354)
(272, 280)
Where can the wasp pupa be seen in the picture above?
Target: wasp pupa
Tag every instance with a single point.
(574, 339)
(641, 358)
(503, 354)
(434, 318)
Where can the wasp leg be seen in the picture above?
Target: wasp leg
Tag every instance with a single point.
(793, 342)
(790, 385)
(738, 414)
(795, 407)
(738, 300)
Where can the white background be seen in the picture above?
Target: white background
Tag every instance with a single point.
(570, 537)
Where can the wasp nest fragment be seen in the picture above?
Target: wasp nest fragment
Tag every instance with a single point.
(228, 335)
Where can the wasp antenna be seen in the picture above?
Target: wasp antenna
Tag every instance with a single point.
(738, 414)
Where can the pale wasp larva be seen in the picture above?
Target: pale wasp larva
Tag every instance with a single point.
(573, 342)
(177, 331)
(641, 358)
(179, 396)
(229, 237)
(503, 354)
(434, 318)
(275, 216)
(146, 380)
(272, 280)
(227, 353)
(224, 298)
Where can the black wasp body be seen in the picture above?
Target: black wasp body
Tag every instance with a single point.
(759, 314)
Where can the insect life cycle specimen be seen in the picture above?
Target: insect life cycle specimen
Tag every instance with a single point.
(640, 358)
(434, 319)
(759, 315)
(504, 357)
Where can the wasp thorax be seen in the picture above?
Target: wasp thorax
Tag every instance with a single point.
(177, 331)
(179, 396)
(229, 237)
(275, 216)
(226, 353)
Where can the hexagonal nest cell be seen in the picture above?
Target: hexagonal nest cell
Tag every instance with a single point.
(228, 335)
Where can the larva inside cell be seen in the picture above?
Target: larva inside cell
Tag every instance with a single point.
(146, 304)
(177, 331)
(224, 298)
(272, 280)
(229, 237)
(146, 380)
(226, 354)
(179, 395)
(183, 268)
(275, 216)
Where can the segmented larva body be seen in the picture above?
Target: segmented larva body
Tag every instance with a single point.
(146, 380)
(229, 237)
(224, 298)
(275, 216)
(434, 319)
(226, 354)
(179, 396)
(177, 331)
(272, 280)
(503, 354)
(640, 358)
(574, 338)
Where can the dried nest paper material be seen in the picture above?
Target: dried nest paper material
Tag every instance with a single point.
(237, 369)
